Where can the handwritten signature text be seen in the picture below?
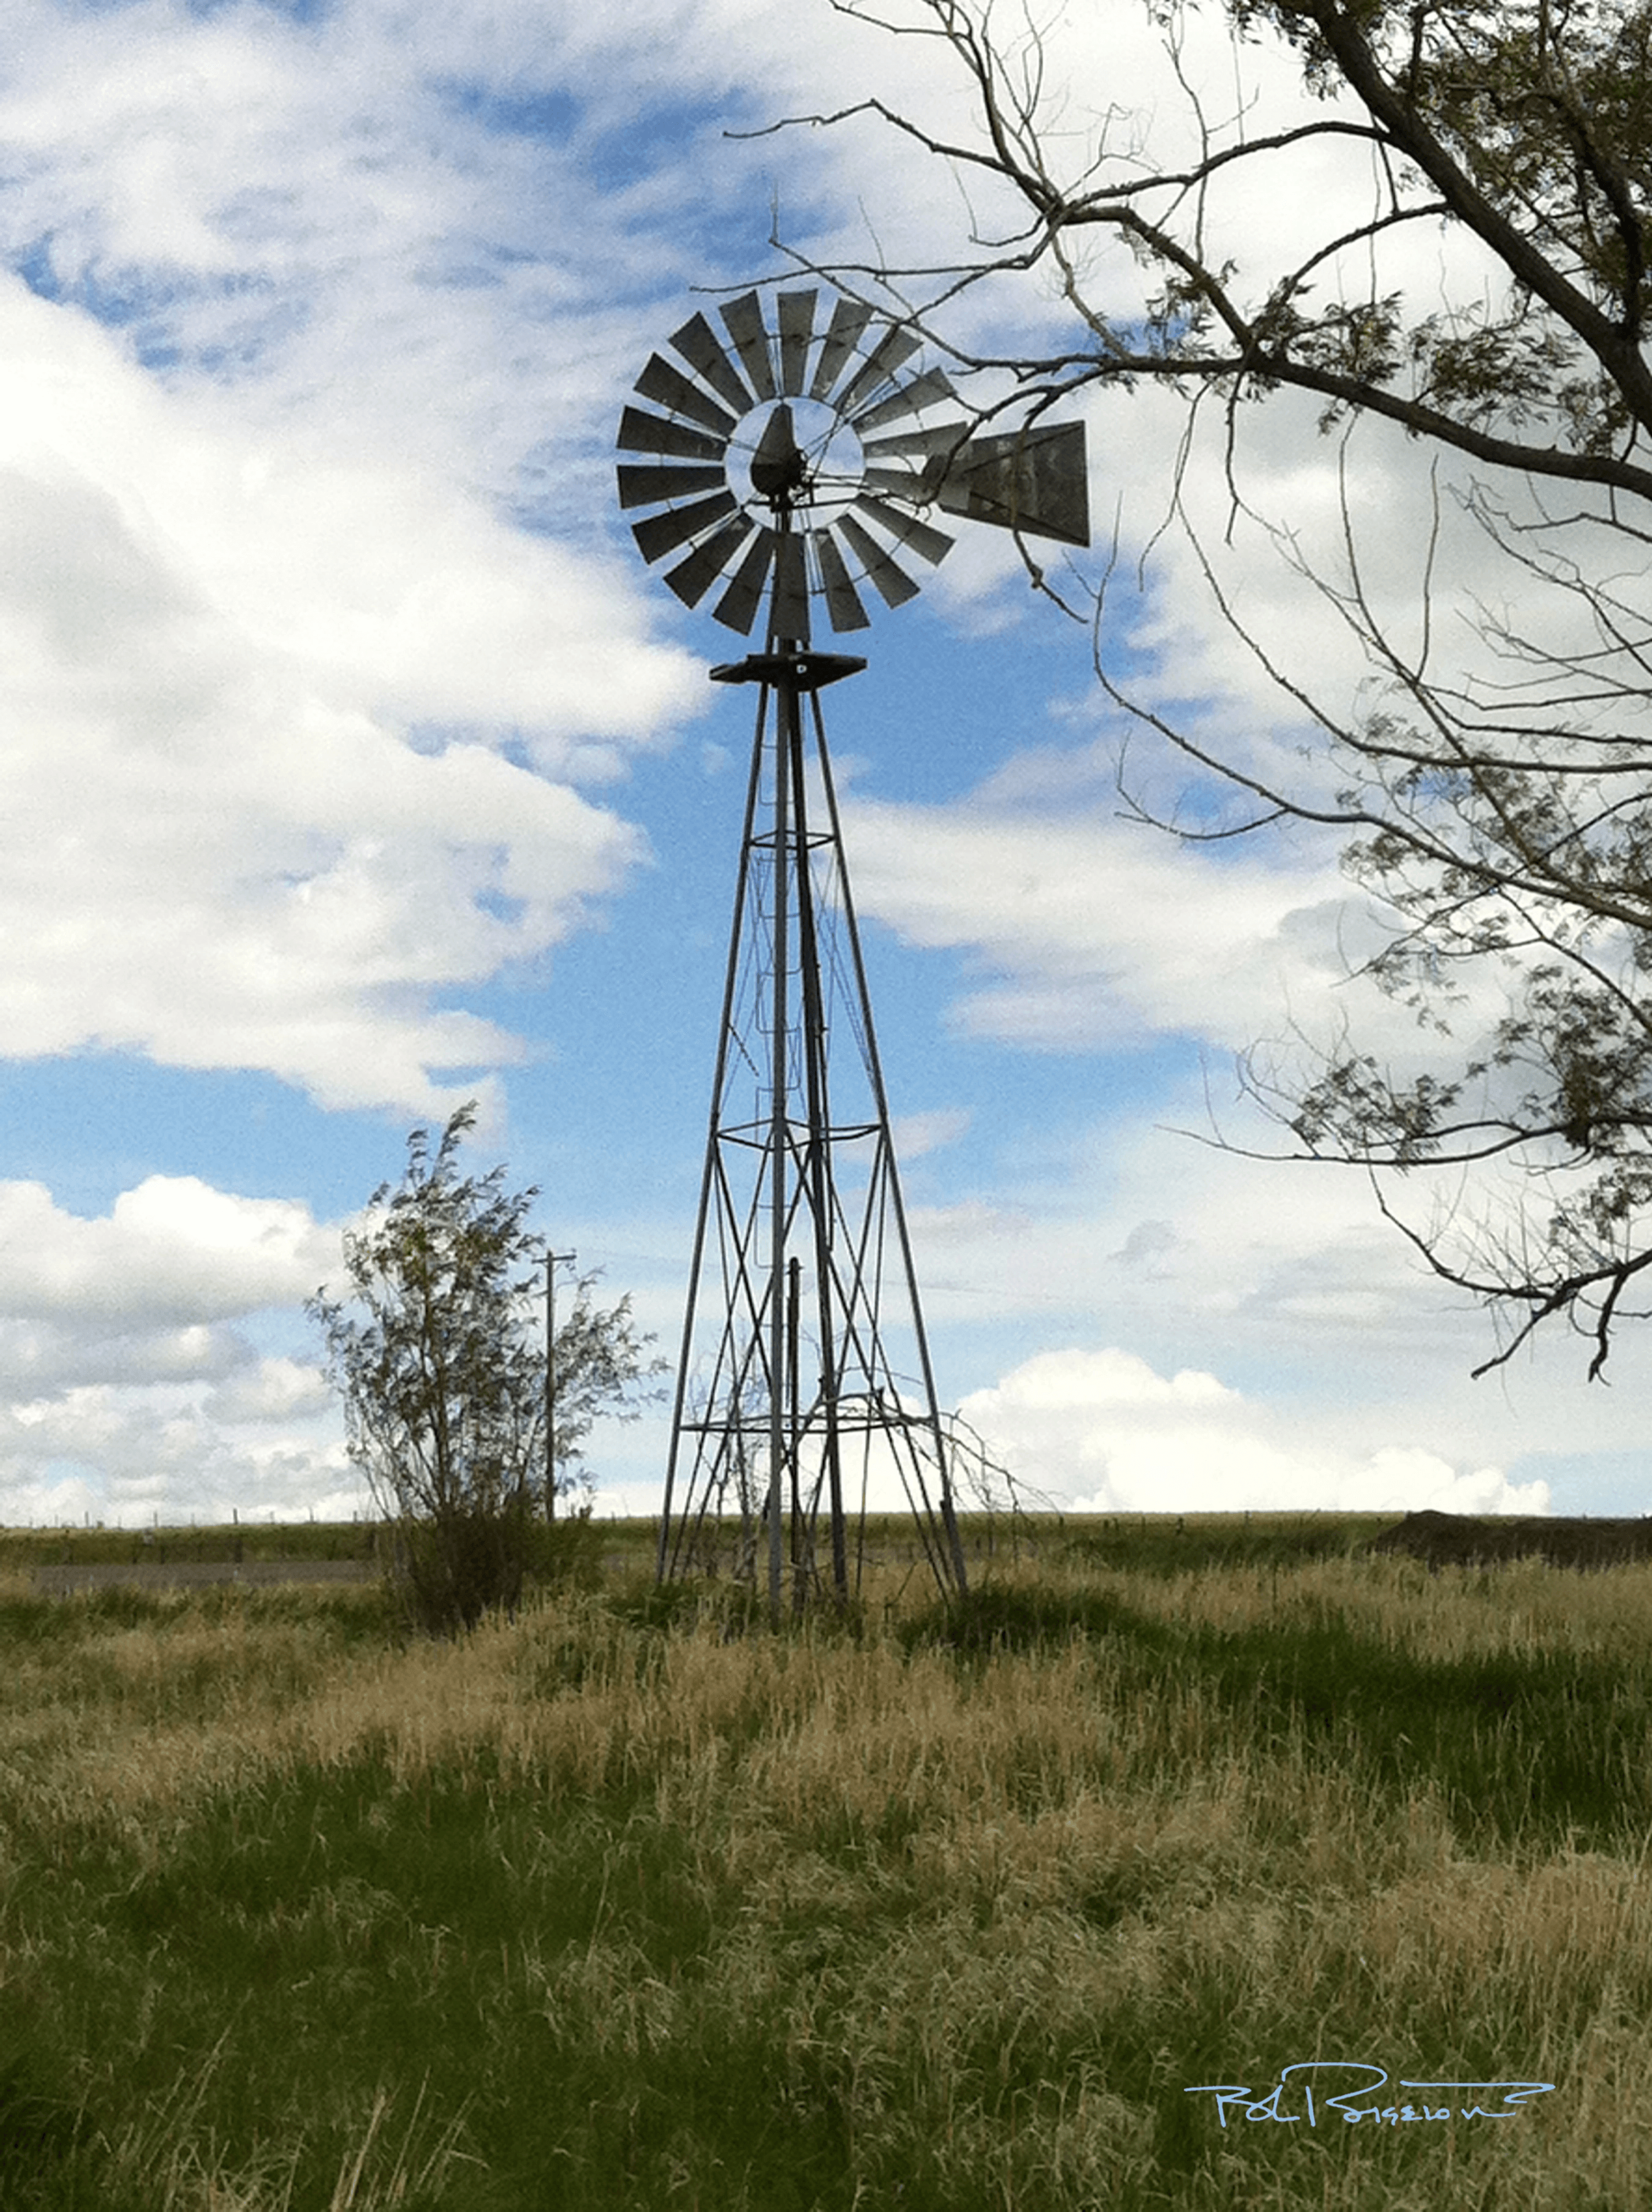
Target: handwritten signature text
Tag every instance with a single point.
(1363, 2100)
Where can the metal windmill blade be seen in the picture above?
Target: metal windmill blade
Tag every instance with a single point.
(793, 461)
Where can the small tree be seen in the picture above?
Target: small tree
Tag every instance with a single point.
(444, 1380)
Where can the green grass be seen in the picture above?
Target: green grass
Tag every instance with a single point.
(21, 1550)
(638, 1903)
(1541, 1744)
(1174, 1544)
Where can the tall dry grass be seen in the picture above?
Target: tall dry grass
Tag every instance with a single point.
(959, 1927)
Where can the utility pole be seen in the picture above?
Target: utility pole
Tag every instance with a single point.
(553, 1259)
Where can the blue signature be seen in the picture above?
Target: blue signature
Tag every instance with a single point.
(1348, 2102)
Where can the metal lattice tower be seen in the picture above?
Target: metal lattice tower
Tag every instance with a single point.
(792, 466)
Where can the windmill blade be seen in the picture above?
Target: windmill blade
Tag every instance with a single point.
(849, 318)
(745, 317)
(797, 320)
(647, 487)
(693, 578)
(843, 600)
(661, 533)
(737, 608)
(651, 433)
(945, 438)
(669, 388)
(920, 391)
(894, 586)
(897, 344)
(699, 345)
(789, 610)
(931, 545)
(1035, 480)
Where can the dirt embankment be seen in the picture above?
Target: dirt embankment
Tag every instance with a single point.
(1456, 1540)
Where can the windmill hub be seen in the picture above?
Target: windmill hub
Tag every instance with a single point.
(794, 456)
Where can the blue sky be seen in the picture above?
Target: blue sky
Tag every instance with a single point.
(353, 764)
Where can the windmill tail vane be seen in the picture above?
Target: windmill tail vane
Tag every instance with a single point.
(796, 465)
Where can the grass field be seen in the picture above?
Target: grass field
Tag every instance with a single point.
(633, 1903)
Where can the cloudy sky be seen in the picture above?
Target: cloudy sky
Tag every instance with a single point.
(353, 764)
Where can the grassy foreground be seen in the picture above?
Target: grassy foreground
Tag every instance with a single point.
(632, 1904)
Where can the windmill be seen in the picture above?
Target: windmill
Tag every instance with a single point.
(786, 468)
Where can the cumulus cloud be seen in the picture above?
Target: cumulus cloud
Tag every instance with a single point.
(221, 845)
(312, 628)
(108, 1453)
(1101, 1432)
(1097, 933)
(275, 1390)
(173, 1250)
(1275, 1278)
(324, 656)
(129, 1379)
(316, 616)
(261, 527)
(39, 1360)
(914, 1135)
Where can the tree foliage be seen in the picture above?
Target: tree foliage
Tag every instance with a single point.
(1497, 800)
(442, 1370)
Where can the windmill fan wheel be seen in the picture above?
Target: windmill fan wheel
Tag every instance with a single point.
(797, 463)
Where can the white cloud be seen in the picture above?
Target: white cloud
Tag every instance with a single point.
(914, 1135)
(217, 844)
(235, 584)
(318, 629)
(1099, 1432)
(276, 1389)
(172, 1251)
(129, 1454)
(1279, 1278)
(40, 1359)
(1097, 933)
(261, 547)
(365, 306)
(1267, 496)
(124, 1384)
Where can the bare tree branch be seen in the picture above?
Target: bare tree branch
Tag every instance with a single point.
(1492, 772)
